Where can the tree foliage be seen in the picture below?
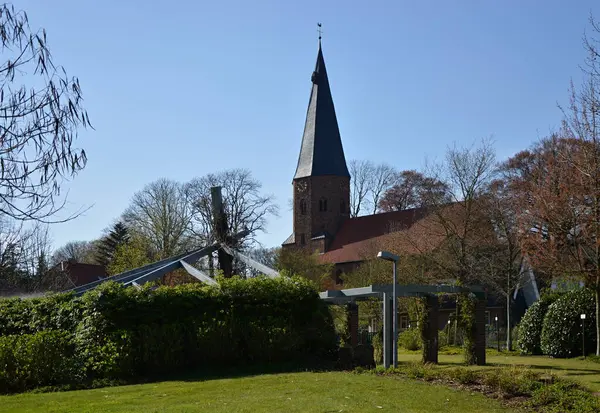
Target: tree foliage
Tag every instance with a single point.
(108, 245)
(136, 252)
(303, 263)
(413, 189)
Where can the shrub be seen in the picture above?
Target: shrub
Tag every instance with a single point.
(46, 358)
(443, 338)
(561, 331)
(410, 339)
(530, 327)
(31, 315)
(127, 332)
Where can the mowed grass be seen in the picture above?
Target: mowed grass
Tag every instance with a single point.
(585, 372)
(290, 392)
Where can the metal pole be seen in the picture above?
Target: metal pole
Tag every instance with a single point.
(497, 335)
(386, 331)
(395, 318)
(583, 335)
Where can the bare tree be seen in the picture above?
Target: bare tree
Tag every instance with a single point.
(361, 173)
(382, 178)
(454, 235)
(502, 258)
(38, 123)
(413, 189)
(244, 204)
(161, 212)
(78, 251)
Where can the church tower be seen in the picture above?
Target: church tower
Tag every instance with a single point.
(322, 181)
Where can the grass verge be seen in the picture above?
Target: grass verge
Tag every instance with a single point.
(516, 386)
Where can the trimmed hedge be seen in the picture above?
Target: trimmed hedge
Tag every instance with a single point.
(30, 315)
(530, 327)
(46, 358)
(562, 332)
(122, 333)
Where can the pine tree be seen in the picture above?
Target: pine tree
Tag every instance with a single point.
(118, 236)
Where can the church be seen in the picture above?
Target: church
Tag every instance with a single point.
(321, 191)
(321, 202)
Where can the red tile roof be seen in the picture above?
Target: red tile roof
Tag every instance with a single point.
(357, 237)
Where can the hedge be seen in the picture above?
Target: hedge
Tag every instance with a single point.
(117, 332)
(30, 315)
(562, 332)
(46, 358)
(530, 327)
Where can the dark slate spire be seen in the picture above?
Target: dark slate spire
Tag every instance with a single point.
(321, 152)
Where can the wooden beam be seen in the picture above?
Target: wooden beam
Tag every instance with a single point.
(221, 230)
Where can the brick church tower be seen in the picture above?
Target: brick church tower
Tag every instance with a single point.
(322, 181)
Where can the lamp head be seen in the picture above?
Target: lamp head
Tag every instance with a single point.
(582, 316)
(388, 256)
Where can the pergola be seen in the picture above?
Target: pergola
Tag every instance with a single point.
(385, 292)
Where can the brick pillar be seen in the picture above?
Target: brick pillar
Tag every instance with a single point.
(430, 330)
(352, 323)
(480, 331)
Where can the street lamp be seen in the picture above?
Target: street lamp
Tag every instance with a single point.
(583, 333)
(448, 333)
(497, 333)
(388, 256)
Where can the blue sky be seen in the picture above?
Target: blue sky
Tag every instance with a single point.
(184, 88)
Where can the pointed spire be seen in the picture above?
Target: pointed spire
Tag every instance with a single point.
(321, 152)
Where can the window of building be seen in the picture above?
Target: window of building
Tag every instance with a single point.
(303, 206)
(403, 322)
(342, 206)
(302, 239)
(322, 205)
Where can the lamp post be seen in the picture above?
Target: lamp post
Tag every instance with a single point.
(388, 256)
(583, 334)
(448, 334)
(497, 334)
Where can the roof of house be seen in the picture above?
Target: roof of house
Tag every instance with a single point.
(80, 273)
(321, 152)
(358, 237)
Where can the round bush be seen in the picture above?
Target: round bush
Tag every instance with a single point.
(530, 327)
(562, 332)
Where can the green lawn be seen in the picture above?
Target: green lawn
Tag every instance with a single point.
(289, 393)
(583, 371)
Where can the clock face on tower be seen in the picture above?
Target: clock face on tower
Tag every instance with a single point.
(301, 186)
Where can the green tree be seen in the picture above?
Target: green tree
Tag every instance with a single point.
(109, 244)
(305, 264)
(132, 254)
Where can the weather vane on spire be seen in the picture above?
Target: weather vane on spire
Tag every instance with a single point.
(319, 30)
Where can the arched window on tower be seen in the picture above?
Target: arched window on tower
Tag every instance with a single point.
(303, 206)
(322, 205)
(342, 206)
